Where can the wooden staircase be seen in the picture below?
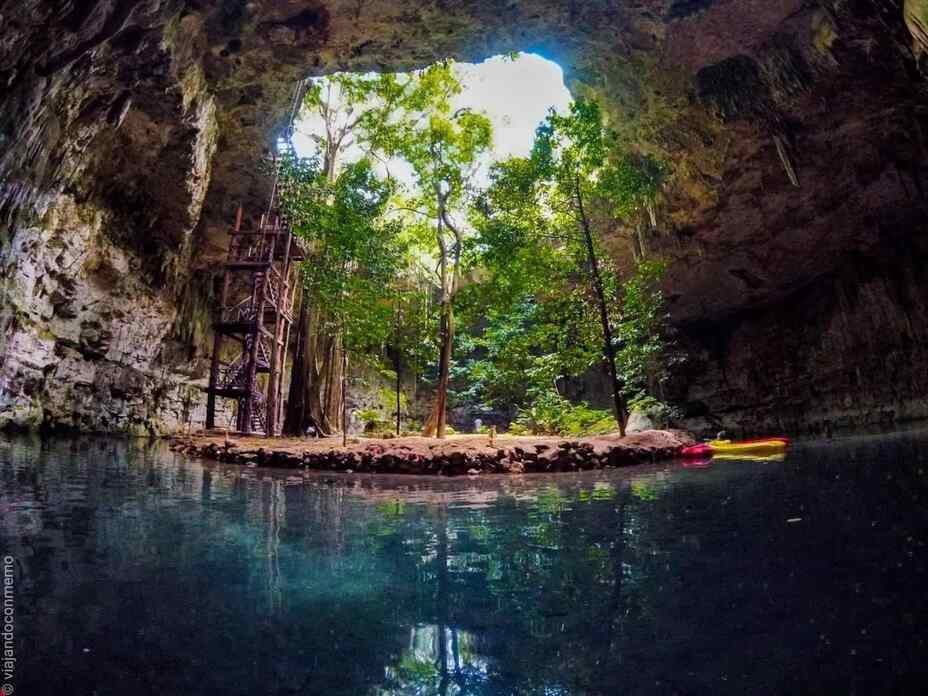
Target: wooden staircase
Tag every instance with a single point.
(259, 288)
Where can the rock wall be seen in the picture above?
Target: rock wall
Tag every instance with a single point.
(107, 137)
(86, 343)
(846, 351)
(798, 287)
(130, 131)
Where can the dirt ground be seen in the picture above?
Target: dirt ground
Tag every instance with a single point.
(454, 455)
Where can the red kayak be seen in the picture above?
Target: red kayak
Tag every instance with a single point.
(697, 451)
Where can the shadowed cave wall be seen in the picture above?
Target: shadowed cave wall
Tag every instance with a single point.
(793, 220)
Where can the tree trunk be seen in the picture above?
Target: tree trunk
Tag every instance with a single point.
(344, 391)
(305, 408)
(621, 410)
(316, 413)
(293, 419)
(435, 425)
(332, 371)
(312, 379)
(438, 419)
(397, 364)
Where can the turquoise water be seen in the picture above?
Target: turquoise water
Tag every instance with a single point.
(140, 572)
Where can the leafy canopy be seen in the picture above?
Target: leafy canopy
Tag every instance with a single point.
(577, 151)
(535, 312)
(355, 250)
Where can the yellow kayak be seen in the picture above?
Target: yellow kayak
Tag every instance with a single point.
(775, 457)
(755, 447)
(761, 448)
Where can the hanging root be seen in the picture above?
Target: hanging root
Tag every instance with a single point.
(784, 158)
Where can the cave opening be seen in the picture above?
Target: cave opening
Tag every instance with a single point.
(466, 206)
(483, 121)
(514, 90)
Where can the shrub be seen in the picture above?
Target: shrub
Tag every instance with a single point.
(660, 413)
(552, 414)
(373, 420)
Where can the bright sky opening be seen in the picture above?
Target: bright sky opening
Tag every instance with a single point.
(514, 94)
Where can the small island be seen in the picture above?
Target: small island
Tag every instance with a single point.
(456, 455)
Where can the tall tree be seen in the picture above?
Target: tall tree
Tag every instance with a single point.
(314, 401)
(356, 251)
(575, 183)
(348, 116)
(575, 155)
(444, 147)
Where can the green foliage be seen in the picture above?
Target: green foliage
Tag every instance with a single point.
(552, 414)
(631, 183)
(416, 670)
(536, 313)
(413, 319)
(642, 346)
(388, 400)
(644, 489)
(373, 420)
(515, 352)
(355, 251)
(519, 271)
(590, 180)
(439, 143)
(374, 110)
(443, 148)
(587, 172)
(366, 267)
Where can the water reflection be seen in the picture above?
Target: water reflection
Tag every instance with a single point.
(440, 660)
(144, 572)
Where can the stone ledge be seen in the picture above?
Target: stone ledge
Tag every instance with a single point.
(455, 456)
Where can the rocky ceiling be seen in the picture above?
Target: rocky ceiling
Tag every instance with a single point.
(130, 131)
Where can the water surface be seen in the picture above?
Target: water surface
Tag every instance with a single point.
(141, 572)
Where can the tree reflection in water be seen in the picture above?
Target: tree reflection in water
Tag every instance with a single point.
(210, 579)
(439, 660)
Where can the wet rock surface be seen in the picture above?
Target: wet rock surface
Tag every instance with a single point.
(130, 131)
(456, 456)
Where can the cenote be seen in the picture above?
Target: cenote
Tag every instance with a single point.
(139, 571)
(456, 348)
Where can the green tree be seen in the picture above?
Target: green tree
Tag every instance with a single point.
(543, 216)
(347, 114)
(315, 398)
(355, 251)
(443, 146)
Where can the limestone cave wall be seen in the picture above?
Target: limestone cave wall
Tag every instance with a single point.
(848, 350)
(131, 129)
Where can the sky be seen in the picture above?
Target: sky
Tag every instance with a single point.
(514, 94)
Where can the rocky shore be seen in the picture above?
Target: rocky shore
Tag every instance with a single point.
(455, 456)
